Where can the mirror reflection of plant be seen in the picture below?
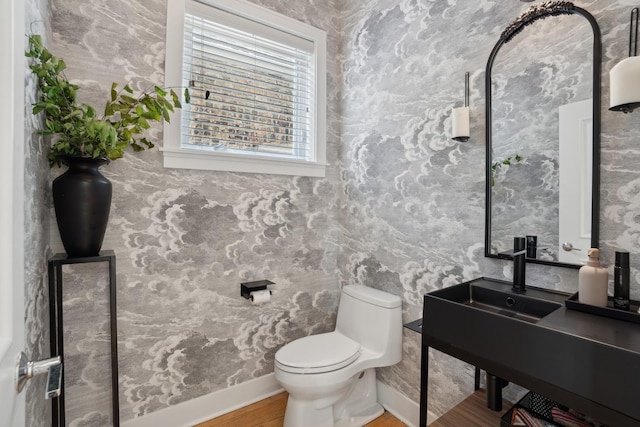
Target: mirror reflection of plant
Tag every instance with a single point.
(78, 130)
(497, 165)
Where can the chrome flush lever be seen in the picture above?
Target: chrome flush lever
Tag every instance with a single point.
(568, 247)
(26, 369)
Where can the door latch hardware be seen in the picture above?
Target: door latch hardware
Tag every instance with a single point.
(27, 369)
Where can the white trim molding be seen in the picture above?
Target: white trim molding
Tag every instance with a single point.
(401, 407)
(184, 158)
(209, 406)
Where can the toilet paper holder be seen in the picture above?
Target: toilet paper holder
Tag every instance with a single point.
(247, 287)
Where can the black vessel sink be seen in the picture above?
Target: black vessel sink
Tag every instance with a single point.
(587, 362)
(496, 298)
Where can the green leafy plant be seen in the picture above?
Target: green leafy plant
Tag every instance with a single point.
(76, 127)
(495, 166)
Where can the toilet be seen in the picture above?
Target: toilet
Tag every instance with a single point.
(331, 377)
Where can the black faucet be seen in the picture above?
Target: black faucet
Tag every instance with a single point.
(519, 257)
(519, 264)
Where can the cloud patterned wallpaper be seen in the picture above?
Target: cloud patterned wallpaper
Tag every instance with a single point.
(184, 240)
(414, 211)
(401, 208)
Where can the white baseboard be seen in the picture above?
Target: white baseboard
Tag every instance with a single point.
(211, 405)
(401, 407)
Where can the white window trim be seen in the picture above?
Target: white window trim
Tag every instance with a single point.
(178, 157)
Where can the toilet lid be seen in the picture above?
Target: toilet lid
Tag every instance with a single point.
(317, 353)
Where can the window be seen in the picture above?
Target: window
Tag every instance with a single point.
(257, 85)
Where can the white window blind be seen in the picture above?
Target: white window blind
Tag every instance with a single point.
(251, 90)
(257, 81)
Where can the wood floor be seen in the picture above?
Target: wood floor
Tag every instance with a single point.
(472, 412)
(270, 413)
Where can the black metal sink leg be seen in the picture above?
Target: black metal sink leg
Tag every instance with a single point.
(494, 392)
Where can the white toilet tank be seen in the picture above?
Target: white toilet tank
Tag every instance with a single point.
(372, 318)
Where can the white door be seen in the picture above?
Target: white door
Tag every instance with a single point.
(576, 158)
(12, 404)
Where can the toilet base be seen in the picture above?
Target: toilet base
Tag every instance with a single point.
(355, 406)
(360, 404)
(323, 417)
(362, 418)
(299, 413)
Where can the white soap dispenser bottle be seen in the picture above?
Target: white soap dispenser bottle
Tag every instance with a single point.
(593, 281)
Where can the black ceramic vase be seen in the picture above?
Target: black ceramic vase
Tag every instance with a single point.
(82, 200)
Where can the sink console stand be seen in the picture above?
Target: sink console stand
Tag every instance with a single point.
(586, 362)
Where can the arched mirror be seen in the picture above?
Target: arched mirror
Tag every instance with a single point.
(543, 135)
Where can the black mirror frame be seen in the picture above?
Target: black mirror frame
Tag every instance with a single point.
(552, 8)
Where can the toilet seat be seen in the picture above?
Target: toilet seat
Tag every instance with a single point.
(317, 354)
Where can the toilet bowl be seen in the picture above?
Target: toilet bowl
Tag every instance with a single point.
(331, 377)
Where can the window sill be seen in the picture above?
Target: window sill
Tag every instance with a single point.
(218, 161)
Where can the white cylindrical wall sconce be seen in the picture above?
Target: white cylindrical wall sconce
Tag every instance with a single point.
(624, 77)
(460, 116)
